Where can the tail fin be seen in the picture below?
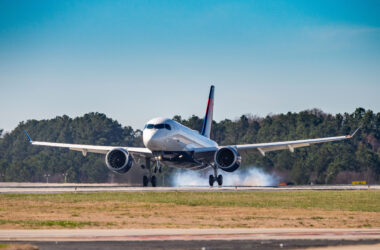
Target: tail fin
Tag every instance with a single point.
(206, 129)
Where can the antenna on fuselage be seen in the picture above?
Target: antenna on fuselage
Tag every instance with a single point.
(206, 129)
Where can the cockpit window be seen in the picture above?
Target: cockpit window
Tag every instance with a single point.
(149, 126)
(158, 126)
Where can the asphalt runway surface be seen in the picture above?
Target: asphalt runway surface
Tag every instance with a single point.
(207, 245)
(281, 238)
(12, 187)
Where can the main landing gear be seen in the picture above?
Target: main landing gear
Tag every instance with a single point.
(215, 177)
(151, 177)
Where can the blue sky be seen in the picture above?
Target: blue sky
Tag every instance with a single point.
(135, 60)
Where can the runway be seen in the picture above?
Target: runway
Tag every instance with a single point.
(284, 238)
(14, 187)
(188, 234)
(204, 244)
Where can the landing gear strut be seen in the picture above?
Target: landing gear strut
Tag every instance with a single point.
(215, 177)
(157, 167)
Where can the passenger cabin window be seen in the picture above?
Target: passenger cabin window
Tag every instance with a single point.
(158, 126)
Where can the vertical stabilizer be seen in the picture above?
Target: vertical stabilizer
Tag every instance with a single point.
(206, 129)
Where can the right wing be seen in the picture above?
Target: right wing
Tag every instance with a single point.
(290, 145)
(135, 151)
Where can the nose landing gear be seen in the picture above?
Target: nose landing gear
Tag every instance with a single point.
(215, 177)
(152, 178)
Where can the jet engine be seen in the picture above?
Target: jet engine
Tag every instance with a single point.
(227, 159)
(119, 160)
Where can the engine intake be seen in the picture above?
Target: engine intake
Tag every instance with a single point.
(119, 160)
(227, 159)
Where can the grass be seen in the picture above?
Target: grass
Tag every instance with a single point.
(18, 246)
(191, 209)
(49, 223)
(368, 201)
(318, 218)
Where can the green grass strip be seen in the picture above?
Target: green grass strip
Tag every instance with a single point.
(49, 223)
(348, 200)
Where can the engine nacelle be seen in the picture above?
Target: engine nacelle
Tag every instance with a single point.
(119, 160)
(227, 159)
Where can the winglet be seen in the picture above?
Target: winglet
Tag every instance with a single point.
(352, 135)
(30, 139)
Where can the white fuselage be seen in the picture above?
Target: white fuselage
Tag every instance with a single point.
(171, 136)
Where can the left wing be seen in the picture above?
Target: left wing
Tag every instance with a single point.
(144, 152)
(290, 145)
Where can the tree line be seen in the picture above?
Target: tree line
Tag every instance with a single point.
(336, 162)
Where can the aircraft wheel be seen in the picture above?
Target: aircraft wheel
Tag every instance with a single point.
(153, 181)
(145, 181)
(220, 180)
(211, 180)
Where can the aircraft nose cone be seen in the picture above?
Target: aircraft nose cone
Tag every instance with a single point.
(146, 137)
(152, 140)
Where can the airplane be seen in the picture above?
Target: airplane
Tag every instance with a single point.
(172, 144)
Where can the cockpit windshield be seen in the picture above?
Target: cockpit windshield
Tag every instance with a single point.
(158, 126)
(149, 126)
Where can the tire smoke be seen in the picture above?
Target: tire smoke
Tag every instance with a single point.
(251, 177)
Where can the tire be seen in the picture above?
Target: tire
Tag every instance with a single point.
(145, 181)
(211, 180)
(220, 180)
(153, 181)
